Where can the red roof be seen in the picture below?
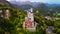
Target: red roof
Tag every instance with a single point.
(27, 23)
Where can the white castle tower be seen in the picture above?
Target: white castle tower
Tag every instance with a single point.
(30, 15)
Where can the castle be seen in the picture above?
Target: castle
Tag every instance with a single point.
(29, 21)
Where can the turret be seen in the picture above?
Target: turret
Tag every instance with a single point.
(30, 15)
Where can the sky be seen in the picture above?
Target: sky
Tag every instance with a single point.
(44, 1)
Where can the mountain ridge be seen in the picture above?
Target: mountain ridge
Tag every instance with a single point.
(34, 4)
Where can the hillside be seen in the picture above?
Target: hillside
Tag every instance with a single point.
(4, 3)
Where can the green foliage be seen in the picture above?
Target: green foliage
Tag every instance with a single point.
(15, 20)
(58, 31)
(57, 24)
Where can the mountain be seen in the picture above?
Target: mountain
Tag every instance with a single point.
(34, 4)
(52, 5)
(28, 4)
(4, 3)
(23, 3)
(31, 3)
